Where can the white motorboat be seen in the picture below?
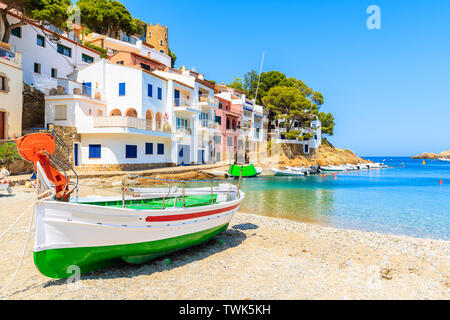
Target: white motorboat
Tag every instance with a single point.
(333, 168)
(279, 172)
(444, 160)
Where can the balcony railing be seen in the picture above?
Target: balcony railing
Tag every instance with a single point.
(184, 131)
(209, 124)
(9, 56)
(207, 98)
(181, 102)
(120, 122)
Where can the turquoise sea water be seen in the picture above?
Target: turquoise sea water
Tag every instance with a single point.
(404, 201)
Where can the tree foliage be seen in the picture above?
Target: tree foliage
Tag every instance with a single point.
(44, 12)
(286, 98)
(173, 57)
(108, 16)
(328, 123)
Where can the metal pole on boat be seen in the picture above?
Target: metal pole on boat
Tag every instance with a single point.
(212, 192)
(239, 183)
(182, 193)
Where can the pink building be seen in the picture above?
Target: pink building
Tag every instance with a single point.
(229, 139)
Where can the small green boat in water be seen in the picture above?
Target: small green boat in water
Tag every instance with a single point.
(247, 171)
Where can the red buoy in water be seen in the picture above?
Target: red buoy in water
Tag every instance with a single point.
(441, 182)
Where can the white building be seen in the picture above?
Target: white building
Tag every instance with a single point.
(44, 60)
(279, 135)
(122, 119)
(194, 110)
(11, 88)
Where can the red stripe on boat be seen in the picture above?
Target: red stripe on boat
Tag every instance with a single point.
(189, 215)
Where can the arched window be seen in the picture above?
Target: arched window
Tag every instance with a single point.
(159, 119)
(149, 120)
(116, 113)
(131, 113)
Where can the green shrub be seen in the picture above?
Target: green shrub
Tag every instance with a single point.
(101, 50)
(8, 153)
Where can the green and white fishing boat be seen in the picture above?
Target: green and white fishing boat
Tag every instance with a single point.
(137, 226)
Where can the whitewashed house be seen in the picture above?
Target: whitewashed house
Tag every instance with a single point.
(122, 119)
(311, 145)
(44, 60)
(194, 112)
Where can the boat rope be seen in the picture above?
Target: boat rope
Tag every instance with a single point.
(39, 198)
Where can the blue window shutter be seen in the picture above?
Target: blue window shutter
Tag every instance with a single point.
(130, 152)
(149, 148)
(95, 151)
(150, 90)
(159, 93)
(122, 89)
(160, 148)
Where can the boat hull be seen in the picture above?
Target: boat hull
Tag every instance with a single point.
(73, 236)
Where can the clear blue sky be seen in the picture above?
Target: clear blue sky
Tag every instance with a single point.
(389, 89)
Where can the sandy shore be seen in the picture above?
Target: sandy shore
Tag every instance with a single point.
(257, 258)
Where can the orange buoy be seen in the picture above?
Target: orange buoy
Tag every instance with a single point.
(441, 182)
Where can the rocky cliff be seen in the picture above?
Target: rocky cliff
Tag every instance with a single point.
(425, 155)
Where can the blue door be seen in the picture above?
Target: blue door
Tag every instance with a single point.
(177, 98)
(75, 154)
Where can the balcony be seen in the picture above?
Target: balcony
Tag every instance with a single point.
(208, 99)
(184, 131)
(181, 102)
(10, 57)
(120, 122)
(206, 124)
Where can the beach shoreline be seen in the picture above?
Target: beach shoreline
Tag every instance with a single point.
(258, 257)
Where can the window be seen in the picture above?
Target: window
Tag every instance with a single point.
(60, 113)
(87, 58)
(64, 50)
(37, 68)
(160, 148)
(229, 141)
(161, 42)
(95, 151)
(54, 73)
(2, 83)
(159, 94)
(316, 137)
(306, 149)
(145, 66)
(130, 152)
(121, 62)
(218, 139)
(162, 51)
(182, 123)
(150, 90)
(122, 89)
(40, 40)
(17, 32)
(149, 148)
(219, 119)
(220, 105)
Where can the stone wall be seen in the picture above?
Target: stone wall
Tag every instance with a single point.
(69, 135)
(33, 113)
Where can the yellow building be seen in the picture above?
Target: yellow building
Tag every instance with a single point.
(158, 37)
(11, 93)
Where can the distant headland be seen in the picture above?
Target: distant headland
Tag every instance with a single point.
(425, 155)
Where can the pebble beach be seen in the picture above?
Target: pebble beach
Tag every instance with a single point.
(256, 258)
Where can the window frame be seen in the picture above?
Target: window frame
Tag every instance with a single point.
(99, 150)
(160, 93)
(19, 35)
(159, 149)
(150, 90)
(85, 57)
(61, 49)
(65, 114)
(149, 146)
(131, 148)
(40, 37)
(122, 89)
(55, 73)
(39, 67)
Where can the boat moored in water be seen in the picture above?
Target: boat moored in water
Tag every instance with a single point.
(244, 171)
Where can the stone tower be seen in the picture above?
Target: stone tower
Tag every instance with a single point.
(158, 37)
